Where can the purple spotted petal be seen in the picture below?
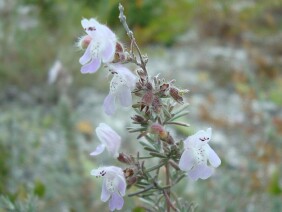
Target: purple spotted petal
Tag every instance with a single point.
(106, 194)
(213, 157)
(187, 160)
(124, 96)
(109, 105)
(116, 202)
(99, 149)
(126, 74)
(86, 57)
(91, 67)
(201, 171)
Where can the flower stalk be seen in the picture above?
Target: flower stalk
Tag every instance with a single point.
(164, 160)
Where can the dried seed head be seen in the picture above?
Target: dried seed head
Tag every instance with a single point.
(120, 57)
(164, 87)
(156, 104)
(138, 85)
(130, 176)
(174, 93)
(141, 73)
(147, 99)
(128, 172)
(169, 139)
(119, 47)
(149, 86)
(138, 119)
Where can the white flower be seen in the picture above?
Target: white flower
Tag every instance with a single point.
(109, 139)
(121, 85)
(114, 185)
(196, 154)
(101, 45)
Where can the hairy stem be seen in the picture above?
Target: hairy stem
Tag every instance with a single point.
(167, 191)
(130, 34)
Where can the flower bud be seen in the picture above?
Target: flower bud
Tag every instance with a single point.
(124, 158)
(174, 93)
(156, 128)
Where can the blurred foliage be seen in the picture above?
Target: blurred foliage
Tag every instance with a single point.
(274, 185)
(35, 33)
(27, 205)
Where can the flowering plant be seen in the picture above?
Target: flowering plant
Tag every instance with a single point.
(159, 103)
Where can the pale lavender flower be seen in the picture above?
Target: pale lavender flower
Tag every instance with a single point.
(101, 45)
(121, 85)
(109, 139)
(114, 185)
(196, 154)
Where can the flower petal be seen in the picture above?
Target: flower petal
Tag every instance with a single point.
(109, 52)
(124, 96)
(90, 26)
(109, 105)
(91, 67)
(108, 33)
(85, 23)
(109, 138)
(121, 184)
(199, 139)
(99, 149)
(86, 57)
(126, 74)
(116, 202)
(201, 171)
(213, 157)
(105, 195)
(187, 160)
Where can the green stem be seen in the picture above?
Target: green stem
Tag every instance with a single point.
(142, 191)
(155, 167)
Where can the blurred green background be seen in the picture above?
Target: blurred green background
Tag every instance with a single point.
(227, 53)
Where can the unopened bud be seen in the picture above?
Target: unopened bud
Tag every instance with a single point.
(156, 128)
(174, 93)
(124, 158)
